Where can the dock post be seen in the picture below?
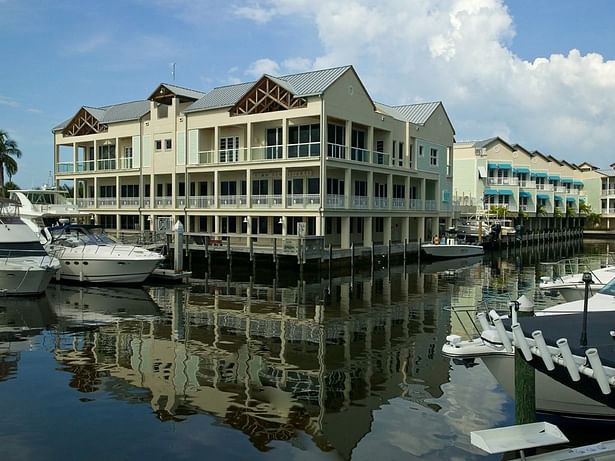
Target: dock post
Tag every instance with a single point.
(352, 257)
(372, 258)
(525, 380)
(275, 250)
(405, 248)
(330, 259)
(418, 253)
(178, 252)
(206, 247)
(389, 255)
(229, 255)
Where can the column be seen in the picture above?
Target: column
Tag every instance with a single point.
(95, 163)
(249, 141)
(407, 193)
(370, 143)
(216, 189)
(370, 190)
(423, 191)
(421, 228)
(347, 140)
(284, 189)
(319, 228)
(284, 138)
(367, 231)
(248, 188)
(387, 230)
(216, 158)
(405, 228)
(348, 188)
(389, 191)
(345, 232)
(117, 192)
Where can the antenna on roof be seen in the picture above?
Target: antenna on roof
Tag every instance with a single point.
(173, 71)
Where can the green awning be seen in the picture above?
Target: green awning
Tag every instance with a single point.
(542, 197)
(504, 166)
(566, 181)
(521, 169)
(491, 192)
(577, 183)
(570, 199)
(554, 178)
(539, 175)
(558, 198)
(525, 194)
(492, 166)
(505, 192)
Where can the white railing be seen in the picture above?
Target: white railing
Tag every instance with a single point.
(86, 202)
(507, 181)
(163, 202)
(266, 201)
(206, 157)
(608, 192)
(65, 167)
(125, 163)
(201, 201)
(180, 201)
(106, 202)
(106, 164)
(360, 201)
(266, 153)
(303, 200)
(232, 155)
(85, 165)
(381, 202)
(399, 203)
(336, 150)
(547, 187)
(415, 204)
(336, 201)
(381, 158)
(431, 205)
(303, 149)
(359, 155)
(129, 202)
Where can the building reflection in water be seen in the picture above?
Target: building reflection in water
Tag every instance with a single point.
(317, 358)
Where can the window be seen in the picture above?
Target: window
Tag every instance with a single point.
(106, 157)
(433, 157)
(379, 224)
(304, 140)
(357, 141)
(274, 143)
(181, 189)
(129, 222)
(400, 154)
(260, 187)
(158, 144)
(335, 186)
(399, 191)
(130, 190)
(380, 152)
(167, 144)
(314, 185)
(360, 188)
(380, 190)
(229, 149)
(336, 137)
(420, 151)
(107, 191)
(228, 188)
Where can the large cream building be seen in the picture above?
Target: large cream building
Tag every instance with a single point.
(258, 158)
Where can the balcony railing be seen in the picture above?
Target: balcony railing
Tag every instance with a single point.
(266, 153)
(303, 201)
(336, 201)
(266, 201)
(106, 164)
(381, 158)
(304, 149)
(359, 155)
(230, 201)
(381, 202)
(360, 201)
(431, 205)
(232, 155)
(86, 202)
(503, 181)
(65, 167)
(399, 203)
(125, 163)
(129, 202)
(336, 151)
(415, 203)
(163, 202)
(201, 201)
(107, 202)
(546, 187)
(527, 184)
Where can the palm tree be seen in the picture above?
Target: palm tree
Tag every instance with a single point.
(8, 152)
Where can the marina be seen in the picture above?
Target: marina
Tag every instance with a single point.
(263, 364)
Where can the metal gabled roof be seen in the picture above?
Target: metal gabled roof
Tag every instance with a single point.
(610, 173)
(301, 85)
(126, 111)
(224, 96)
(186, 92)
(418, 113)
(97, 112)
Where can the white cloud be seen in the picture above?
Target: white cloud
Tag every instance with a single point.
(255, 13)
(263, 66)
(458, 51)
(6, 101)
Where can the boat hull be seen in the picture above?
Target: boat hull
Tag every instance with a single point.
(16, 280)
(451, 251)
(106, 270)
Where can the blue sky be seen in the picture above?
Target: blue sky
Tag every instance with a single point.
(506, 68)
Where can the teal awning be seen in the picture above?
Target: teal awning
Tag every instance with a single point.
(505, 192)
(558, 198)
(553, 178)
(542, 197)
(570, 199)
(566, 181)
(577, 183)
(539, 175)
(492, 166)
(521, 169)
(525, 194)
(491, 192)
(504, 166)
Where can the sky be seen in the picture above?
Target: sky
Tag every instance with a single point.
(540, 73)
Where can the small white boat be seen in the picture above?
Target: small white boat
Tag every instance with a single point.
(89, 255)
(551, 396)
(450, 247)
(25, 266)
(572, 288)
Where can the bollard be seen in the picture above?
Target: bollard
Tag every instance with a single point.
(178, 247)
(525, 378)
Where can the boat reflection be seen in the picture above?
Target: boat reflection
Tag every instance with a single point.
(20, 321)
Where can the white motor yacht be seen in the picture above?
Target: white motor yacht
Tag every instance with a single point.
(572, 288)
(551, 396)
(451, 247)
(25, 266)
(89, 255)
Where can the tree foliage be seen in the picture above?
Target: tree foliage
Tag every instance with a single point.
(9, 152)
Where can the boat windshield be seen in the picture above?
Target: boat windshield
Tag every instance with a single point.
(78, 235)
(608, 289)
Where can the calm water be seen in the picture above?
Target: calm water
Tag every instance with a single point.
(235, 367)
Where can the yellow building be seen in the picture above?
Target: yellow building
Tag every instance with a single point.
(309, 154)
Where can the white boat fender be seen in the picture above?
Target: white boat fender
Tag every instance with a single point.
(453, 340)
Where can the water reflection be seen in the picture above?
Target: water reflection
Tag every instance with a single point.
(347, 367)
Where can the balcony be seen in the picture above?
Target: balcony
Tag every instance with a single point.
(545, 187)
(106, 164)
(233, 201)
(360, 201)
(163, 202)
(359, 155)
(303, 201)
(86, 202)
(431, 205)
(381, 202)
(415, 204)
(266, 153)
(107, 202)
(399, 203)
(305, 149)
(336, 201)
(129, 202)
(502, 181)
(527, 184)
(201, 201)
(266, 201)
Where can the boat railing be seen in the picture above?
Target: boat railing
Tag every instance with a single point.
(556, 270)
(43, 259)
(466, 316)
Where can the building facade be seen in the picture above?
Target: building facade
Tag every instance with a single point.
(305, 154)
(495, 174)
